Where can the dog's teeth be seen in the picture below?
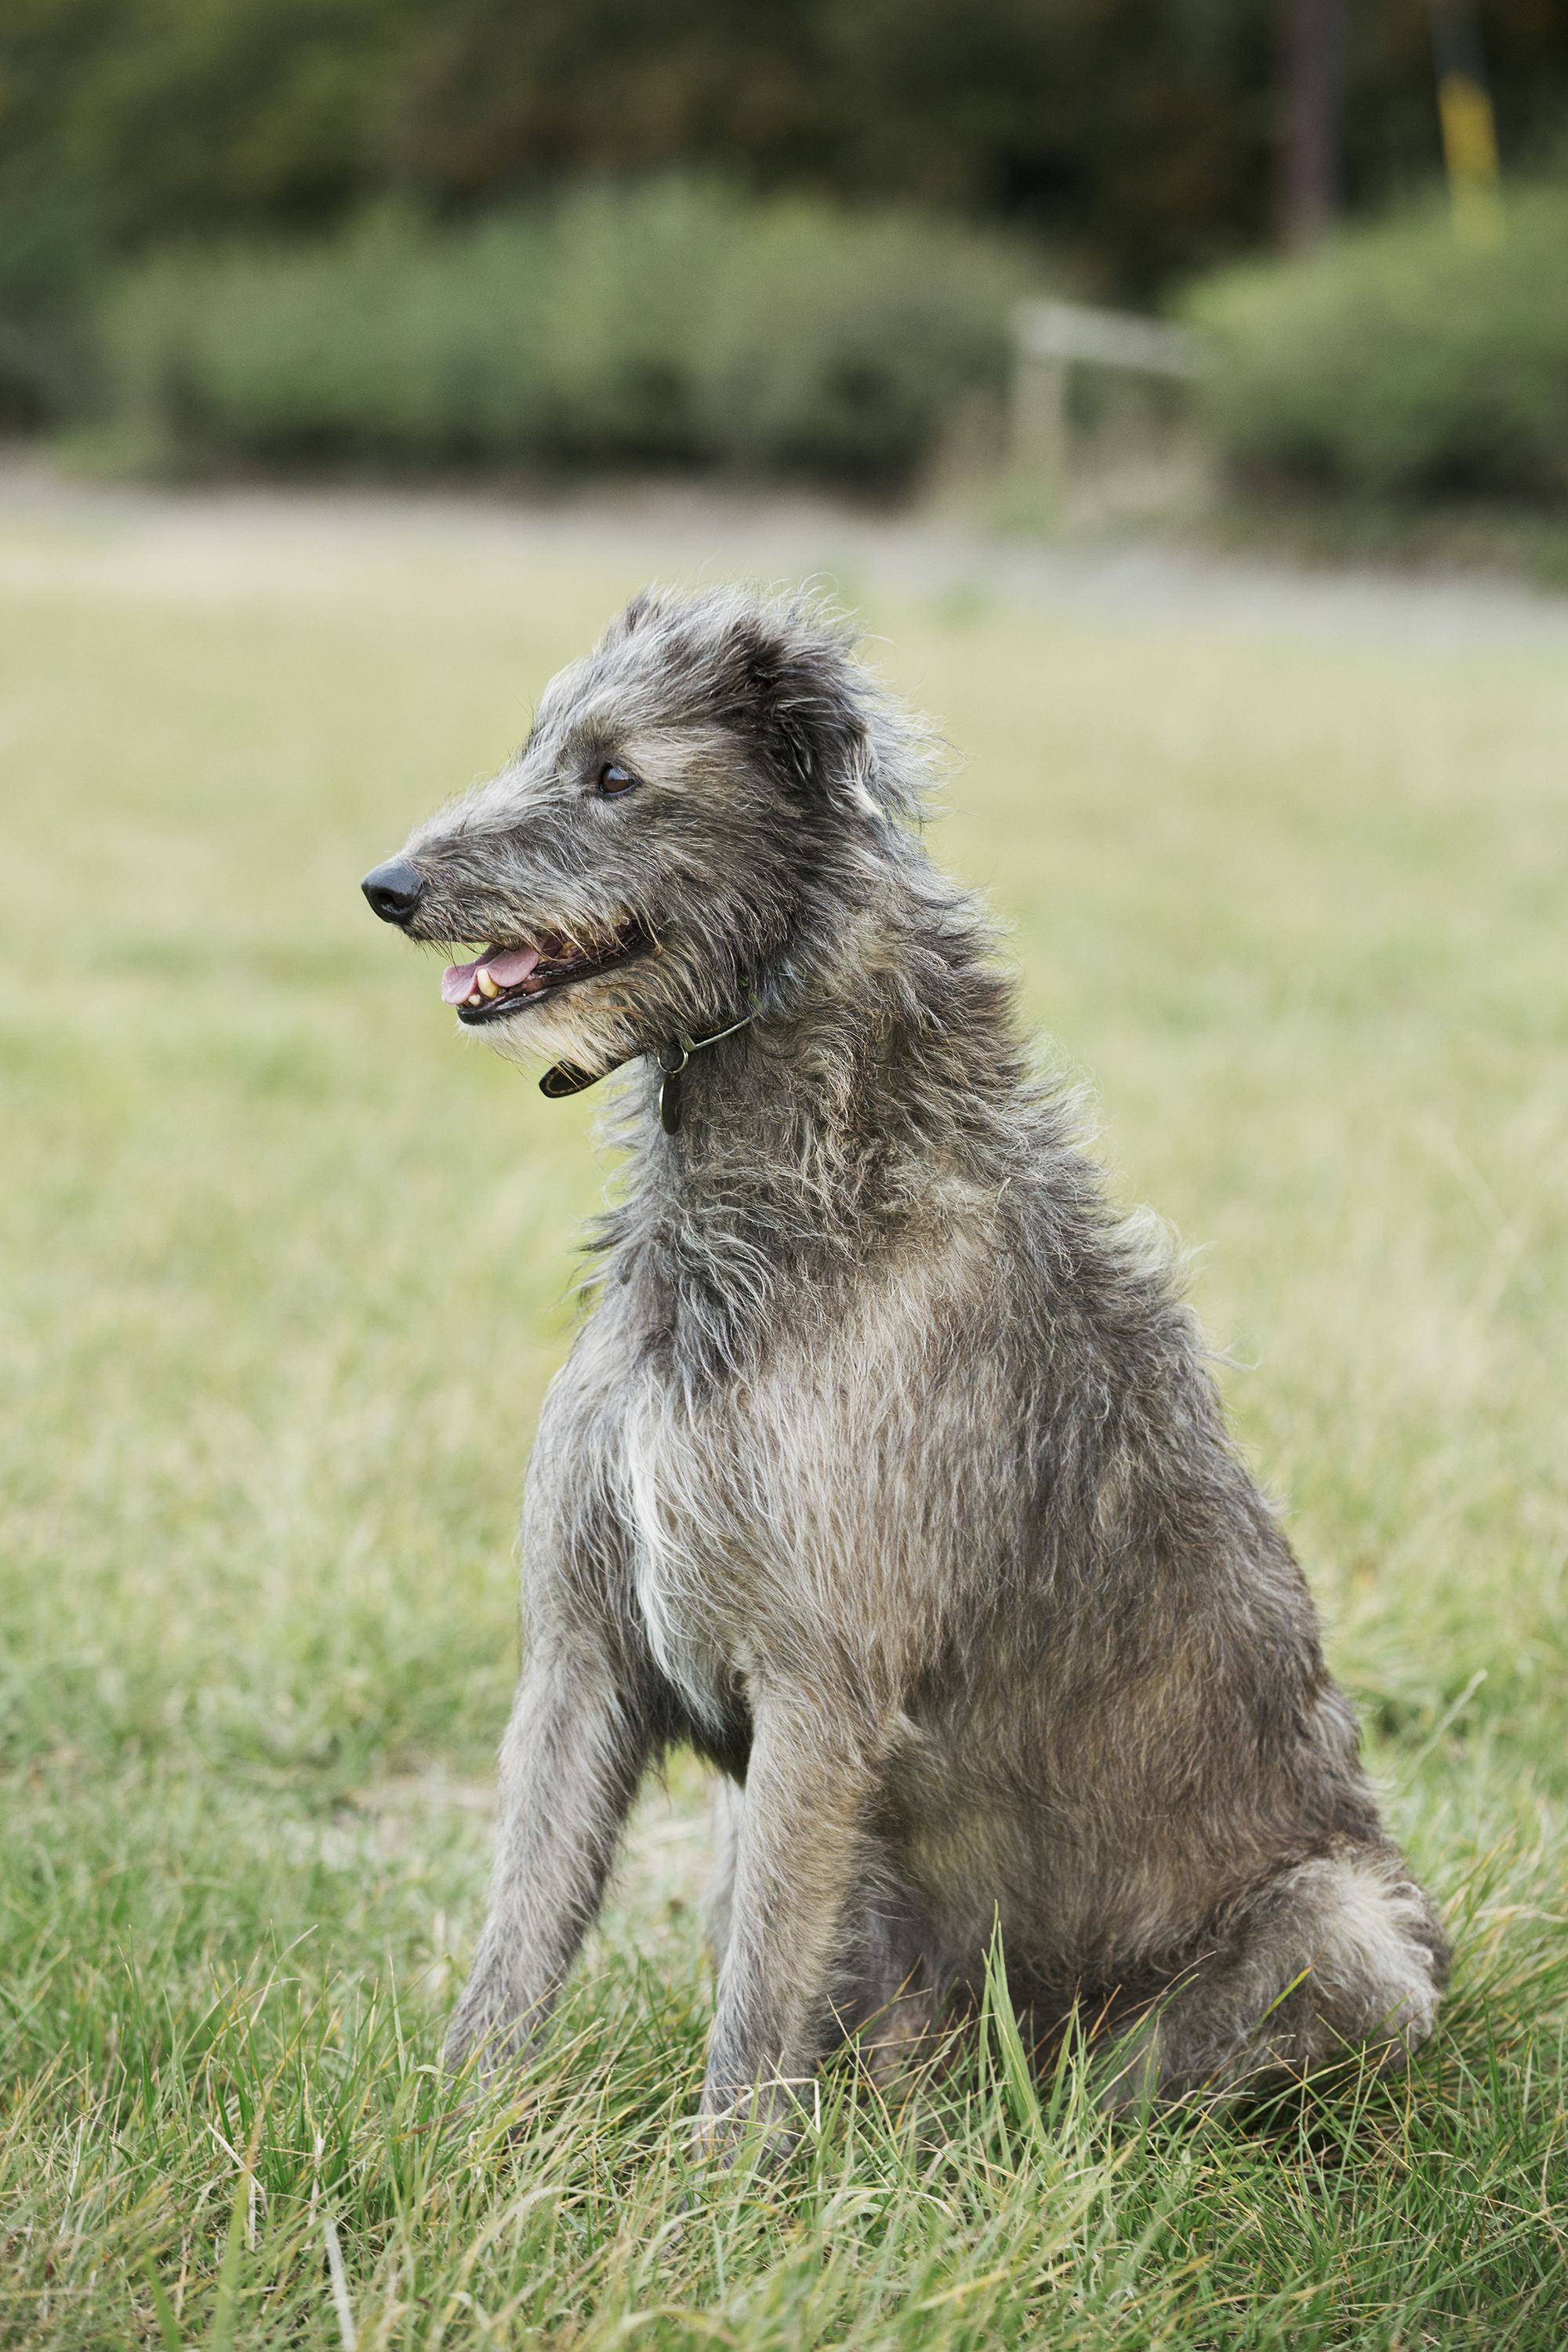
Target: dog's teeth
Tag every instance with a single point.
(474, 997)
(484, 984)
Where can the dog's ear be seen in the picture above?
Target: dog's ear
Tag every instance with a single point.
(642, 607)
(795, 691)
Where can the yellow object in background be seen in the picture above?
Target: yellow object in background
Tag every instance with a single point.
(1470, 156)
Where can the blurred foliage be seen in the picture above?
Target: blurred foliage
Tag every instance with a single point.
(669, 322)
(1400, 359)
(1135, 140)
(1139, 133)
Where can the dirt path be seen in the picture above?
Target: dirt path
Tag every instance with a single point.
(215, 544)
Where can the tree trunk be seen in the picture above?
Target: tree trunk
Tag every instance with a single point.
(1313, 79)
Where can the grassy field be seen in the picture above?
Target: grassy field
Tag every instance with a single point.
(286, 1268)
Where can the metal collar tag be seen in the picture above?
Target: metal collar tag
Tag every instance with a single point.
(672, 1058)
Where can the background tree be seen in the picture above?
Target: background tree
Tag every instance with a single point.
(1139, 137)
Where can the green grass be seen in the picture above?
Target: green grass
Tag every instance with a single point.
(286, 1269)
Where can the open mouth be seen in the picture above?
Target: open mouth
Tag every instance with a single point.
(504, 980)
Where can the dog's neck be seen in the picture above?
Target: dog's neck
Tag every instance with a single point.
(857, 1112)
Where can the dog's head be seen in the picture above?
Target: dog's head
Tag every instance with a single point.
(694, 808)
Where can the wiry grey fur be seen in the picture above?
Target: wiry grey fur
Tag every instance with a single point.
(886, 1470)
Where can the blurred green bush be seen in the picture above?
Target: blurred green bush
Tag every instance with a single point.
(661, 323)
(1400, 361)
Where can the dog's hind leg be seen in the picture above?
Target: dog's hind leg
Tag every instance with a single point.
(1339, 1954)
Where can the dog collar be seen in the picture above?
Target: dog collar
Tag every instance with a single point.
(565, 1078)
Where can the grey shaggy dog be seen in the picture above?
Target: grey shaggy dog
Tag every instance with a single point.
(886, 1470)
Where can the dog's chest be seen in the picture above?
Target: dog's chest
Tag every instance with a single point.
(678, 1486)
(765, 1515)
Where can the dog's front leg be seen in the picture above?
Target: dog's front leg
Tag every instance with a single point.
(808, 1783)
(575, 1751)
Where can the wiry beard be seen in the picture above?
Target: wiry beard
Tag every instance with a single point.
(591, 1025)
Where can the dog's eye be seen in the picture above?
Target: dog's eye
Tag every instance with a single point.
(613, 779)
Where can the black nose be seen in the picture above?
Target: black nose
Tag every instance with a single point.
(393, 890)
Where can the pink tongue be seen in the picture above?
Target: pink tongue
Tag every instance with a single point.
(516, 964)
(506, 969)
(458, 983)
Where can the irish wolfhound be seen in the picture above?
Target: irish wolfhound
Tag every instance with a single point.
(886, 1470)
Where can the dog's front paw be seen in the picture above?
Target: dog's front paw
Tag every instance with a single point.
(757, 2128)
(490, 2030)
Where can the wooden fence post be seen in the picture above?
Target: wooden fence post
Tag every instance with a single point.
(1037, 425)
(1050, 338)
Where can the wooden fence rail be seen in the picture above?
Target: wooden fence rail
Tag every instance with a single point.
(1050, 338)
